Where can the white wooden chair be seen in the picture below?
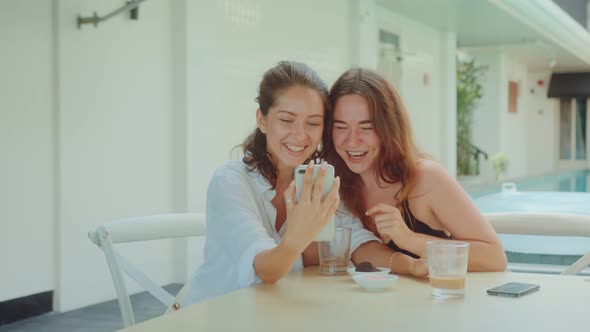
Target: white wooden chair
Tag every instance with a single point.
(146, 228)
(543, 224)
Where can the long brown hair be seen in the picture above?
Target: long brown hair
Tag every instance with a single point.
(279, 78)
(398, 158)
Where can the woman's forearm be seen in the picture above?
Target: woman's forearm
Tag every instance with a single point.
(271, 265)
(486, 257)
(483, 256)
(382, 256)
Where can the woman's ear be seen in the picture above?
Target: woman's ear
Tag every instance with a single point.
(261, 121)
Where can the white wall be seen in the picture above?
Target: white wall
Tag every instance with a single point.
(26, 149)
(115, 124)
(494, 129)
(364, 37)
(448, 84)
(422, 47)
(228, 51)
(142, 112)
(542, 133)
(514, 125)
(86, 137)
(486, 117)
(529, 136)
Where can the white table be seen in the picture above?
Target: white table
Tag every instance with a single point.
(309, 302)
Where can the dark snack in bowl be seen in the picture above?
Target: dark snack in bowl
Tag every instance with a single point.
(366, 267)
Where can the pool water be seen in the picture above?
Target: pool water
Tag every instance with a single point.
(541, 249)
(573, 181)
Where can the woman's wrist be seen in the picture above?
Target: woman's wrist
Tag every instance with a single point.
(419, 268)
(290, 248)
(392, 258)
(400, 263)
(272, 265)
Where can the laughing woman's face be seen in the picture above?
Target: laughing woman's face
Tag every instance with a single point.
(293, 126)
(354, 136)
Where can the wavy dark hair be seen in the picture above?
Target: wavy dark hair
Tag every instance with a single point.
(398, 159)
(284, 75)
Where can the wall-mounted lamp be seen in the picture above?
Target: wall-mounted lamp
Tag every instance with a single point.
(132, 7)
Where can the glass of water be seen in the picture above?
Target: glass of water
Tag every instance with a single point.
(335, 254)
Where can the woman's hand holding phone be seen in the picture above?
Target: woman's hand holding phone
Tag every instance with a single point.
(307, 216)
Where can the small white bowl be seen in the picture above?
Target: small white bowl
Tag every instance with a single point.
(382, 271)
(374, 283)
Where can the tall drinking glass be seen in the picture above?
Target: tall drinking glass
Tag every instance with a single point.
(335, 254)
(447, 267)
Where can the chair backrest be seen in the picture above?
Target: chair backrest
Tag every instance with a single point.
(155, 227)
(544, 224)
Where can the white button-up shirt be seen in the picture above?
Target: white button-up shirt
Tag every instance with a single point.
(240, 224)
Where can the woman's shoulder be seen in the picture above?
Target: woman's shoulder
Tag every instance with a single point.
(232, 171)
(430, 173)
(231, 167)
(237, 174)
(430, 168)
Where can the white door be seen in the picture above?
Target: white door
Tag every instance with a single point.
(389, 66)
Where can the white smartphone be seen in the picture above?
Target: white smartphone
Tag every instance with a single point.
(327, 234)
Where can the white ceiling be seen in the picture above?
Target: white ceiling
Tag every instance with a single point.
(482, 24)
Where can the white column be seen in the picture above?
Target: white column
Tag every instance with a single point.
(364, 34)
(179, 133)
(202, 119)
(448, 83)
(202, 83)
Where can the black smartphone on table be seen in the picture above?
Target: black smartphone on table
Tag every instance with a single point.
(513, 289)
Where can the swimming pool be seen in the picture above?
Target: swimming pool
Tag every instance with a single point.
(573, 181)
(541, 194)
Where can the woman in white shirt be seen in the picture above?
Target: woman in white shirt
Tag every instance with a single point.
(250, 202)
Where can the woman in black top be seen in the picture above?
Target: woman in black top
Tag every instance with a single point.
(400, 195)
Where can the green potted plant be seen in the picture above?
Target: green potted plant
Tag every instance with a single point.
(499, 164)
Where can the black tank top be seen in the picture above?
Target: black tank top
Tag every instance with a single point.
(416, 226)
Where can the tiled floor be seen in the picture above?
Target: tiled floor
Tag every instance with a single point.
(96, 318)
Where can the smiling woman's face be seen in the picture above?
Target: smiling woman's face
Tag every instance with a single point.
(354, 136)
(293, 126)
